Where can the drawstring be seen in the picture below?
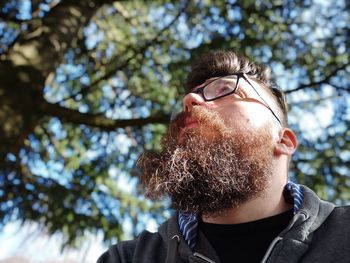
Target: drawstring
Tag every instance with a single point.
(172, 249)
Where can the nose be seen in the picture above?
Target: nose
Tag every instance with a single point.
(190, 100)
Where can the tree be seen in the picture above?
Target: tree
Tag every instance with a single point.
(87, 85)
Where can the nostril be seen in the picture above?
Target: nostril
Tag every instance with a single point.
(190, 100)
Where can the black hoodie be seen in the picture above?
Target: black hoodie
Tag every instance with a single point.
(319, 232)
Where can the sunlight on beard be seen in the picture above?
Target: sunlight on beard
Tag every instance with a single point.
(209, 175)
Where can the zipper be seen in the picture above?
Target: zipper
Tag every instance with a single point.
(198, 255)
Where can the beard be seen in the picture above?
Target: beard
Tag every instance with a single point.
(210, 168)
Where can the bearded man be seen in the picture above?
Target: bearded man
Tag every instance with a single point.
(224, 165)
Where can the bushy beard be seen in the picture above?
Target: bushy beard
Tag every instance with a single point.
(210, 168)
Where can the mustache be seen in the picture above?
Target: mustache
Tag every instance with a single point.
(200, 114)
(180, 118)
(207, 119)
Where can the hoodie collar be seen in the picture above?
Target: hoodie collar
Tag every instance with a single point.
(188, 222)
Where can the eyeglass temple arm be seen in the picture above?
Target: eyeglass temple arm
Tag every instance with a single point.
(267, 105)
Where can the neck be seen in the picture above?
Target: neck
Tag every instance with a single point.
(269, 203)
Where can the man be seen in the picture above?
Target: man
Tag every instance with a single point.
(224, 164)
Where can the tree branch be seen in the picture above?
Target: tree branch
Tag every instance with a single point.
(12, 19)
(140, 50)
(97, 120)
(325, 80)
(341, 88)
(36, 8)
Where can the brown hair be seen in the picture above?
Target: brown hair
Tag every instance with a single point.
(222, 63)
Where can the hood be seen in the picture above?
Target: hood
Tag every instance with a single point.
(298, 235)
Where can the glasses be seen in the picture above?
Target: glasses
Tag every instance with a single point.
(223, 86)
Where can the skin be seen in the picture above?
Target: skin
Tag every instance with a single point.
(248, 109)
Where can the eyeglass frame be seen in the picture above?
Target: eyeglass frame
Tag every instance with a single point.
(239, 75)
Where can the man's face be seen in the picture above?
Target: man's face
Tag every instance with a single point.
(216, 155)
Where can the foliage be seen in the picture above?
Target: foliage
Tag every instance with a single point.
(87, 85)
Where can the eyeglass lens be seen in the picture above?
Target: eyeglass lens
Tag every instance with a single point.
(220, 87)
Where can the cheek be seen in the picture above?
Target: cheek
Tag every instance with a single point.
(238, 114)
(258, 115)
(233, 115)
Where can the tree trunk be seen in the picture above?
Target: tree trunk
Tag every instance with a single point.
(27, 64)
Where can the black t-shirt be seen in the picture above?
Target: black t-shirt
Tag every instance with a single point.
(246, 242)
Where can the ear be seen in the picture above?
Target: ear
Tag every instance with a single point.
(287, 142)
